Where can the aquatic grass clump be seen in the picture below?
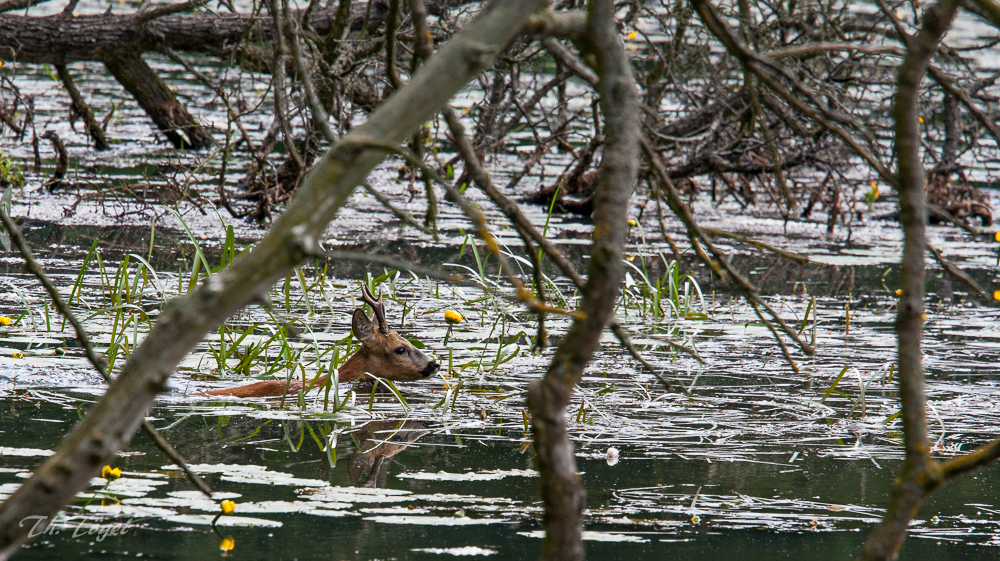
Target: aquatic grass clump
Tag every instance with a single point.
(674, 295)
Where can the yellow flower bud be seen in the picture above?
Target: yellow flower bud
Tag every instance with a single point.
(996, 237)
(921, 119)
(4, 320)
(452, 317)
(228, 507)
(227, 544)
(17, 355)
(111, 473)
(899, 292)
(632, 222)
(996, 294)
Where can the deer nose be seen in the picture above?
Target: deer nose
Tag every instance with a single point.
(430, 369)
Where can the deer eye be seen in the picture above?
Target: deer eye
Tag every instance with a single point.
(401, 351)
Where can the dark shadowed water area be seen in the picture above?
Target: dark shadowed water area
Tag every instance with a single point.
(742, 456)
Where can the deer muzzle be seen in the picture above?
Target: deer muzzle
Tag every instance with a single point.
(430, 369)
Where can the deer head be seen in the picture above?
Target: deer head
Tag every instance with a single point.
(383, 352)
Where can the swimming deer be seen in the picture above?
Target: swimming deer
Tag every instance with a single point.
(383, 353)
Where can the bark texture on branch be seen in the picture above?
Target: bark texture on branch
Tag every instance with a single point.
(921, 474)
(295, 235)
(562, 491)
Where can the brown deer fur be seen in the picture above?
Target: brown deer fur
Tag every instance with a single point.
(383, 353)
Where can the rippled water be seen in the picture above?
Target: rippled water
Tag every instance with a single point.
(752, 458)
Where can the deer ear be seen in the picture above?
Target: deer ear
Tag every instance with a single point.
(362, 325)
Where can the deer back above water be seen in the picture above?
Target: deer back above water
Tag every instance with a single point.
(383, 353)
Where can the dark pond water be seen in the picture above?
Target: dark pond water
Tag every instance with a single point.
(753, 459)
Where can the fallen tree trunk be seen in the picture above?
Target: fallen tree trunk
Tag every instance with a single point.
(59, 39)
(159, 102)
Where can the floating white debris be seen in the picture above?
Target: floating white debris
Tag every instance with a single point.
(356, 495)
(124, 487)
(274, 507)
(395, 510)
(253, 474)
(130, 511)
(330, 513)
(457, 551)
(8, 489)
(206, 519)
(470, 499)
(146, 474)
(201, 503)
(593, 536)
(488, 475)
(5, 451)
(612, 456)
(218, 495)
(435, 520)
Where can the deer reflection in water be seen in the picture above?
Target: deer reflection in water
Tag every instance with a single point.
(377, 442)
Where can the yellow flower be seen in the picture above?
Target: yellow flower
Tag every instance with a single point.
(4, 320)
(899, 291)
(875, 192)
(17, 355)
(228, 507)
(996, 294)
(227, 544)
(921, 119)
(452, 317)
(632, 35)
(996, 237)
(632, 222)
(111, 473)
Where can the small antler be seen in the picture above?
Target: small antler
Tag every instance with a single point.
(377, 307)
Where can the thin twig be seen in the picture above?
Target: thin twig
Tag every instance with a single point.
(798, 258)
(398, 212)
(452, 278)
(954, 271)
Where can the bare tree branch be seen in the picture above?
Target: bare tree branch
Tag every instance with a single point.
(920, 472)
(562, 492)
